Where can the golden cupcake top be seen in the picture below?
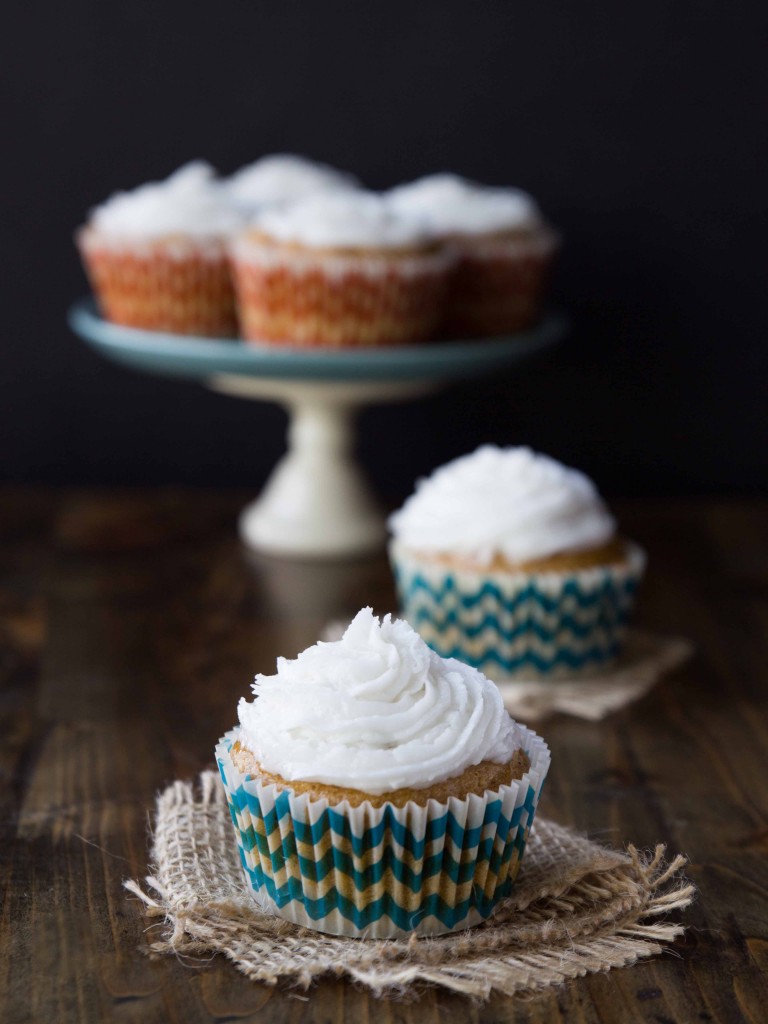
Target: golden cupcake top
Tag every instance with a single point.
(283, 178)
(452, 205)
(189, 202)
(508, 505)
(377, 711)
(343, 221)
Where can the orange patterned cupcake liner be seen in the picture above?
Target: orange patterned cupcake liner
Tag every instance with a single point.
(178, 285)
(314, 298)
(497, 285)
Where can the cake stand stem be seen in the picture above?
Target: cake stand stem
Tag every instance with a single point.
(316, 503)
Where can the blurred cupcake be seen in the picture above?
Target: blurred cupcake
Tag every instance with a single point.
(504, 249)
(510, 562)
(377, 790)
(338, 269)
(157, 256)
(283, 178)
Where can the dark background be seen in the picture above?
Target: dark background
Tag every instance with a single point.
(640, 128)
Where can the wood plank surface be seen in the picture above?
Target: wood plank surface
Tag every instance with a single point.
(131, 623)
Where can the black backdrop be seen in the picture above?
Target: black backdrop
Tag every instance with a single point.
(639, 127)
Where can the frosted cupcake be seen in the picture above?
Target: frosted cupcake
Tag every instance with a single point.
(377, 790)
(511, 562)
(504, 246)
(283, 178)
(157, 256)
(339, 269)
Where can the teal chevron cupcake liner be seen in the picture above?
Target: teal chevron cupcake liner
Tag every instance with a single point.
(381, 872)
(548, 625)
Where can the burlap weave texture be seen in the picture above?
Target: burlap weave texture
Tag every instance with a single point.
(577, 908)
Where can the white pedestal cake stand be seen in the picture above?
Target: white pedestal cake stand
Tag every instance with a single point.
(316, 503)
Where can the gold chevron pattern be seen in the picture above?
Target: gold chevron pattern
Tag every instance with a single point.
(382, 871)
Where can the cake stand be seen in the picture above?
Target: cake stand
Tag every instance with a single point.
(316, 503)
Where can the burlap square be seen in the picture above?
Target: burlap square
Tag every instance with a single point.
(646, 658)
(576, 908)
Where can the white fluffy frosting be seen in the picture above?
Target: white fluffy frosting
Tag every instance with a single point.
(503, 501)
(375, 711)
(190, 201)
(453, 205)
(342, 220)
(284, 178)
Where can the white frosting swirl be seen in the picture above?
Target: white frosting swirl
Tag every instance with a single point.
(189, 202)
(453, 205)
(283, 178)
(347, 220)
(375, 711)
(503, 501)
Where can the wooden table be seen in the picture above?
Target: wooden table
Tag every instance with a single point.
(130, 624)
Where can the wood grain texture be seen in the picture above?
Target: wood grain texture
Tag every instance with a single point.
(130, 624)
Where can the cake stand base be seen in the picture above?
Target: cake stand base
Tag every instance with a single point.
(316, 503)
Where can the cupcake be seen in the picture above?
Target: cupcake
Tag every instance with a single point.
(283, 178)
(510, 561)
(503, 245)
(338, 269)
(157, 257)
(378, 790)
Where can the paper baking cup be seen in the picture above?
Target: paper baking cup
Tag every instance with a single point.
(316, 298)
(497, 284)
(179, 285)
(381, 872)
(546, 625)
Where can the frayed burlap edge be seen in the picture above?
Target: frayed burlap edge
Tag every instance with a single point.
(577, 908)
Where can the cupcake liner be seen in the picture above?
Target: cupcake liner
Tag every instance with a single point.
(545, 625)
(498, 283)
(308, 297)
(381, 872)
(180, 285)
